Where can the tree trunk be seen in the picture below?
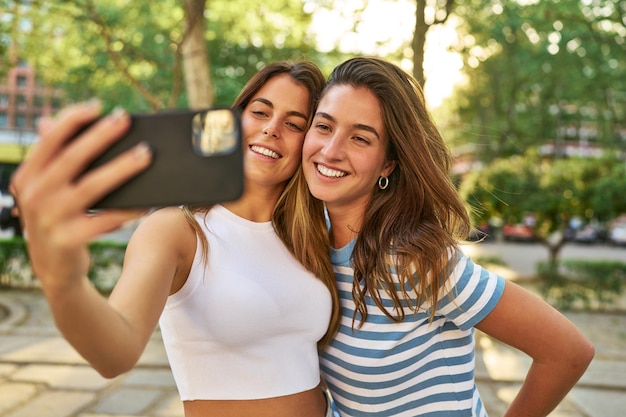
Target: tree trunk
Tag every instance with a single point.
(195, 57)
(554, 244)
(419, 41)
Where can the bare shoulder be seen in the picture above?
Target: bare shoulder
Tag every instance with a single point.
(166, 227)
(165, 216)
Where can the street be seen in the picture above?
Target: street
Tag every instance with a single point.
(521, 258)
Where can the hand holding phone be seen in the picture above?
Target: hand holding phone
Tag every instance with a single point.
(197, 160)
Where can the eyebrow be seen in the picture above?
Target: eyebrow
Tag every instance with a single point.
(270, 104)
(356, 125)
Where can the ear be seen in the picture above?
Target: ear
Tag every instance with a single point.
(390, 165)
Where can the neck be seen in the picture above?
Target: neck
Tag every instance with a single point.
(256, 204)
(345, 225)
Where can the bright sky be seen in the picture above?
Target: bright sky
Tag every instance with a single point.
(385, 26)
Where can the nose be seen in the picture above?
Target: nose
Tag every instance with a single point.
(268, 131)
(271, 129)
(333, 147)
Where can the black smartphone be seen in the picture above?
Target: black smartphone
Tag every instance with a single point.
(197, 160)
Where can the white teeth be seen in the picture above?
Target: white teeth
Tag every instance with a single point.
(265, 151)
(327, 172)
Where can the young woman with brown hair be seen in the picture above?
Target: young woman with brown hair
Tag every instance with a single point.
(240, 315)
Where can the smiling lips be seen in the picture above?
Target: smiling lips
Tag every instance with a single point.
(329, 172)
(264, 151)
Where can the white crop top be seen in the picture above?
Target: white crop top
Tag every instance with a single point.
(246, 323)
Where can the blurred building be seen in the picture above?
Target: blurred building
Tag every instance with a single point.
(23, 101)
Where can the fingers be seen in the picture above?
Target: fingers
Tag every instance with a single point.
(74, 157)
(60, 158)
(55, 132)
(104, 179)
(50, 187)
(69, 142)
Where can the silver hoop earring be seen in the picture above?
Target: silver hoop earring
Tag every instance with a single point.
(383, 182)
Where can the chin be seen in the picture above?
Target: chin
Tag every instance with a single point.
(320, 193)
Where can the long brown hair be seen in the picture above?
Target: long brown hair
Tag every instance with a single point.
(314, 257)
(415, 224)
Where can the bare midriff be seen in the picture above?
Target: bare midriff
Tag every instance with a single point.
(310, 403)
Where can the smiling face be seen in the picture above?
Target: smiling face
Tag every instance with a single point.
(273, 124)
(344, 152)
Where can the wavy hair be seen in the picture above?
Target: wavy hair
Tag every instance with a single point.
(412, 227)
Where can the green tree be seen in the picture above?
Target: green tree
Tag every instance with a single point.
(195, 56)
(427, 14)
(126, 53)
(6, 8)
(607, 195)
(132, 53)
(539, 72)
(554, 190)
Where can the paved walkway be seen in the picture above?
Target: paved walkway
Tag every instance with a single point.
(42, 376)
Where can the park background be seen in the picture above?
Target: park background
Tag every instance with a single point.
(530, 96)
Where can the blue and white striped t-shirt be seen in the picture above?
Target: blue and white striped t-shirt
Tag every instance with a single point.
(412, 368)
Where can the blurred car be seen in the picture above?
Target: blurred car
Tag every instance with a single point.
(481, 233)
(9, 222)
(517, 232)
(6, 199)
(617, 231)
(589, 234)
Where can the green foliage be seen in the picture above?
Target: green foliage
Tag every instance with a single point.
(129, 53)
(240, 62)
(112, 50)
(489, 261)
(582, 282)
(554, 190)
(106, 261)
(5, 29)
(14, 266)
(505, 189)
(607, 196)
(538, 72)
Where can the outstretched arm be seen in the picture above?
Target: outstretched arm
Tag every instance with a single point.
(53, 199)
(560, 352)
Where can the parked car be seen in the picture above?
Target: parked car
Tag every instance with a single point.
(6, 199)
(518, 232)
(589, 234)
(617, 231)
(481, 233)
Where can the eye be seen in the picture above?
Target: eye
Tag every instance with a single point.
(322, 127)
(259, 109)
(295, 126)
(362, 140)
(259, 113)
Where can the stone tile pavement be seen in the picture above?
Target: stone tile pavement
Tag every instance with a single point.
(42, 376)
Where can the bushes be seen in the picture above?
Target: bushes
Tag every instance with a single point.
(574, 283)
(586, 283)
(106, 263)
(14, 266)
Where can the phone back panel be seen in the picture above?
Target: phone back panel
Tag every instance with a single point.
(178, 175)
